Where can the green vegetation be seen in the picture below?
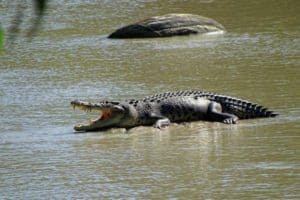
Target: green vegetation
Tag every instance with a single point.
(14, 29)
(1, 38)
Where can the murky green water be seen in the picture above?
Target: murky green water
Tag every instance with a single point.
(257, 59)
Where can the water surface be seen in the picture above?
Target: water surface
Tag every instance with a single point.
(71, 58)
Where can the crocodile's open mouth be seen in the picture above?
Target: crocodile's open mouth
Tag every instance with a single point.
(104, 113)
(109, 114)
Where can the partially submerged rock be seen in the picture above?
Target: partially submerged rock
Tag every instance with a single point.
(168, 25)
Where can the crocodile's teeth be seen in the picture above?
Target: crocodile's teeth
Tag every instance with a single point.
(95, 120)
(82, 107)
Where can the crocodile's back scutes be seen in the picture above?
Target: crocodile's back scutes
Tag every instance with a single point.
(239, 107)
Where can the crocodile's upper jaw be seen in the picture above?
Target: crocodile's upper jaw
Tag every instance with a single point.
(110, 116)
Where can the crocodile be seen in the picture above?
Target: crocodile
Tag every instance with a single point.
(160, 110)
(168, 25)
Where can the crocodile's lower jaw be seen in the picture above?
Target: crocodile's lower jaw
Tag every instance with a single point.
(83, 127)
(78, 127)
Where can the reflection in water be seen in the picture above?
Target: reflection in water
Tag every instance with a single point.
(257, 59)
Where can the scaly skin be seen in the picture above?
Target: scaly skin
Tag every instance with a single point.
(161, 109)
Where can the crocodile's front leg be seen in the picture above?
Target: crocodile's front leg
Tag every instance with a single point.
(215, 113)
(160, 121)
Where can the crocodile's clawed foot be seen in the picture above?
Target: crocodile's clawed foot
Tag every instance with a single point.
(161, 123)
(230, 120)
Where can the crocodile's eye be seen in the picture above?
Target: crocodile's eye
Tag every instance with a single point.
(117, 109)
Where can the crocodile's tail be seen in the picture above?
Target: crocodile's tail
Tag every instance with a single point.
(243, 109)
